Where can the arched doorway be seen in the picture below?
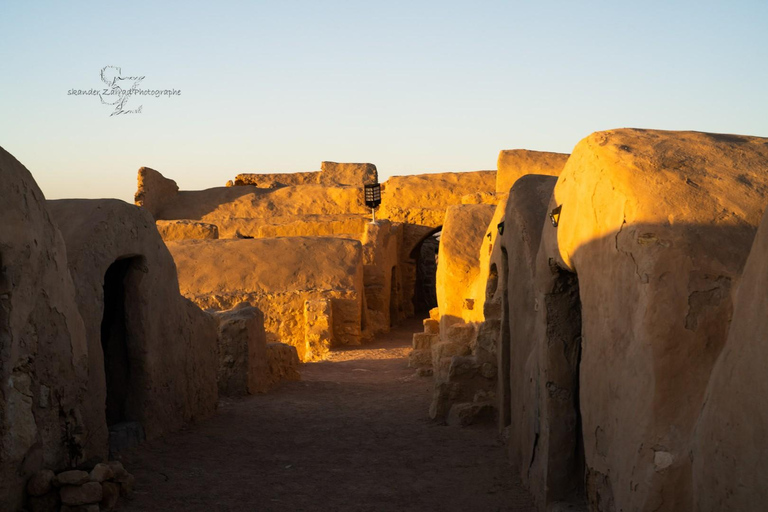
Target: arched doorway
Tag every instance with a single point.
(120, 330)
(566, 461)
(425, 255)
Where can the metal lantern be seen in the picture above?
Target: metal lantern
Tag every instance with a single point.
(373, 199)
(554, 216)
(373, 195)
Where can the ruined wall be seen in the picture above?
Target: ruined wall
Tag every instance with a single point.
(246, 210)
(43, 351)
(154, 190)
(277, 275)
(729, 463)
(423, 198)
(653, 232)
(169, 343)
(330, 174)
(277, 180)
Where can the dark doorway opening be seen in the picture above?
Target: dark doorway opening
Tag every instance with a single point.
(505, 340)
(114, 341)
(394, 298)
(566, 465)
(425, 292)
(121, 330)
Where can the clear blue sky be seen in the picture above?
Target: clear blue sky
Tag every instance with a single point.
(410, 86)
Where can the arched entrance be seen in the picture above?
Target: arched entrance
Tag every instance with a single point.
(425, 255)
(566, 462)
(123, 366)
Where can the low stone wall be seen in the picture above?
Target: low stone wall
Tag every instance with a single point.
(98, 489)
(330, 173)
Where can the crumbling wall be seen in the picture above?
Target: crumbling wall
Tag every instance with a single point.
(169, 343)
(43, 351)
(330, 174)
(154, 191)
(277, 275)
(247, 210)
(277, 180)
(423, 198)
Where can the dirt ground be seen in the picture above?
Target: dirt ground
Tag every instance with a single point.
(353, 435)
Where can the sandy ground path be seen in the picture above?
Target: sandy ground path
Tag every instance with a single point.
(353, 435)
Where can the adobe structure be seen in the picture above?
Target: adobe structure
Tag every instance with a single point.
(302, 248)
(606, 309)
(621, 309)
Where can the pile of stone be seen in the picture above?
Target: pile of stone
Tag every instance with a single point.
(79, 491)
(421, 355)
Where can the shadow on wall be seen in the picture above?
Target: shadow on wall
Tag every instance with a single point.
(625, 348)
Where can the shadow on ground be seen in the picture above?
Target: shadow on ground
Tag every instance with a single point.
(353, 435)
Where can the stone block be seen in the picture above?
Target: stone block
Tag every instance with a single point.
(418, 358)
(424, 341)
(117, 468)
(73, 477)
(110, 493)
(101, 472)
(460, 333)
(242, 351)
(465, 414)
(40, 483)
(434, 314)
(447, 349)
(89, 492)
(431, 326)
(282, 363)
